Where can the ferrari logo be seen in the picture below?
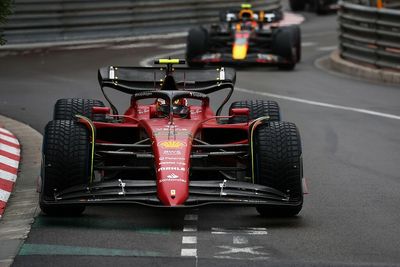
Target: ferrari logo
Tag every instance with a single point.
(171, 144)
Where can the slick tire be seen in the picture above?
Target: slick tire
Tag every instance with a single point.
(67, 108)
(297, 5)
(66, 162)
(196, 45)
(278, 164)
(285, 46)
(258, 108)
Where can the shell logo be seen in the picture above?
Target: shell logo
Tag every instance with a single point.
(171, 144)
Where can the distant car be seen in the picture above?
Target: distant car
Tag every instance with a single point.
(245, 36)
(319, 6)
(169, 149)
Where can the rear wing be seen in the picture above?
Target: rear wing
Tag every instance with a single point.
(260, 16)
(139, 79)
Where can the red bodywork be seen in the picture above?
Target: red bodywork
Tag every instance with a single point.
(171, 142)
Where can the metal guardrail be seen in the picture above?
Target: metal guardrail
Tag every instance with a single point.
(60, 20)
(376, 3)
(369, 35)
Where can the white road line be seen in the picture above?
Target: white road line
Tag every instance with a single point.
(9, 139)
(191, 217)
(320, 104)
(10, 149)
(189, 252)
(188, 228)
(4, 195)
(174, 46)
(248, 250)
(241, 230)
(126, 46)
(8, 176)
(9, 162)
(240, 240)
(327, 48)
(189, 240)
(307, 44)
(148, 62)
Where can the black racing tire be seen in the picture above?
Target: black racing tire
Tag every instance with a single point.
(278, 164)
(297, 40)
(284, 46)
(297, 5)
(196, 45)
(67, 108)
(66, 162)
(258, 108)
(320, 7)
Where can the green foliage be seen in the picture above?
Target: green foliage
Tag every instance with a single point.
(5, 10)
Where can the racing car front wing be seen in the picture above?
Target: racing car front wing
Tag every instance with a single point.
(144, 192)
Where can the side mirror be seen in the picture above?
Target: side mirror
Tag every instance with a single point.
(101, 110)
(236, 112)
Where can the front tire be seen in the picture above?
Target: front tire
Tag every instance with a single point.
(67, 108)
(320, 8)
(297, 41)
(258, 108)
(196, 45)
(66, 155)
(285, 47)
(278, 164)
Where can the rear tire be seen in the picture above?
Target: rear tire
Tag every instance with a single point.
(258, 108)
(297, 5)
(67, 108)
(278, 164)
(285, 47)
(66, 154)
(196, 45)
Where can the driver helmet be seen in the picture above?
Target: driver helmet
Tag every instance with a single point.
(179, 106)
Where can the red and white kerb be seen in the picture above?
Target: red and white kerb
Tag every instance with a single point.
(9, 161)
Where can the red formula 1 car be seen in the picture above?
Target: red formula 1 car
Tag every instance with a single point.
(246, 36)
(169, 149)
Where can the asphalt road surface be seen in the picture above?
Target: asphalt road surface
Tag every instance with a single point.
(351, 147)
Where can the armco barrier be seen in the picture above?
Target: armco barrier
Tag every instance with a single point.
(60, 20)
(369, 35)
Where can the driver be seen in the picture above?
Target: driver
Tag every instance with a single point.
(179, 107)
